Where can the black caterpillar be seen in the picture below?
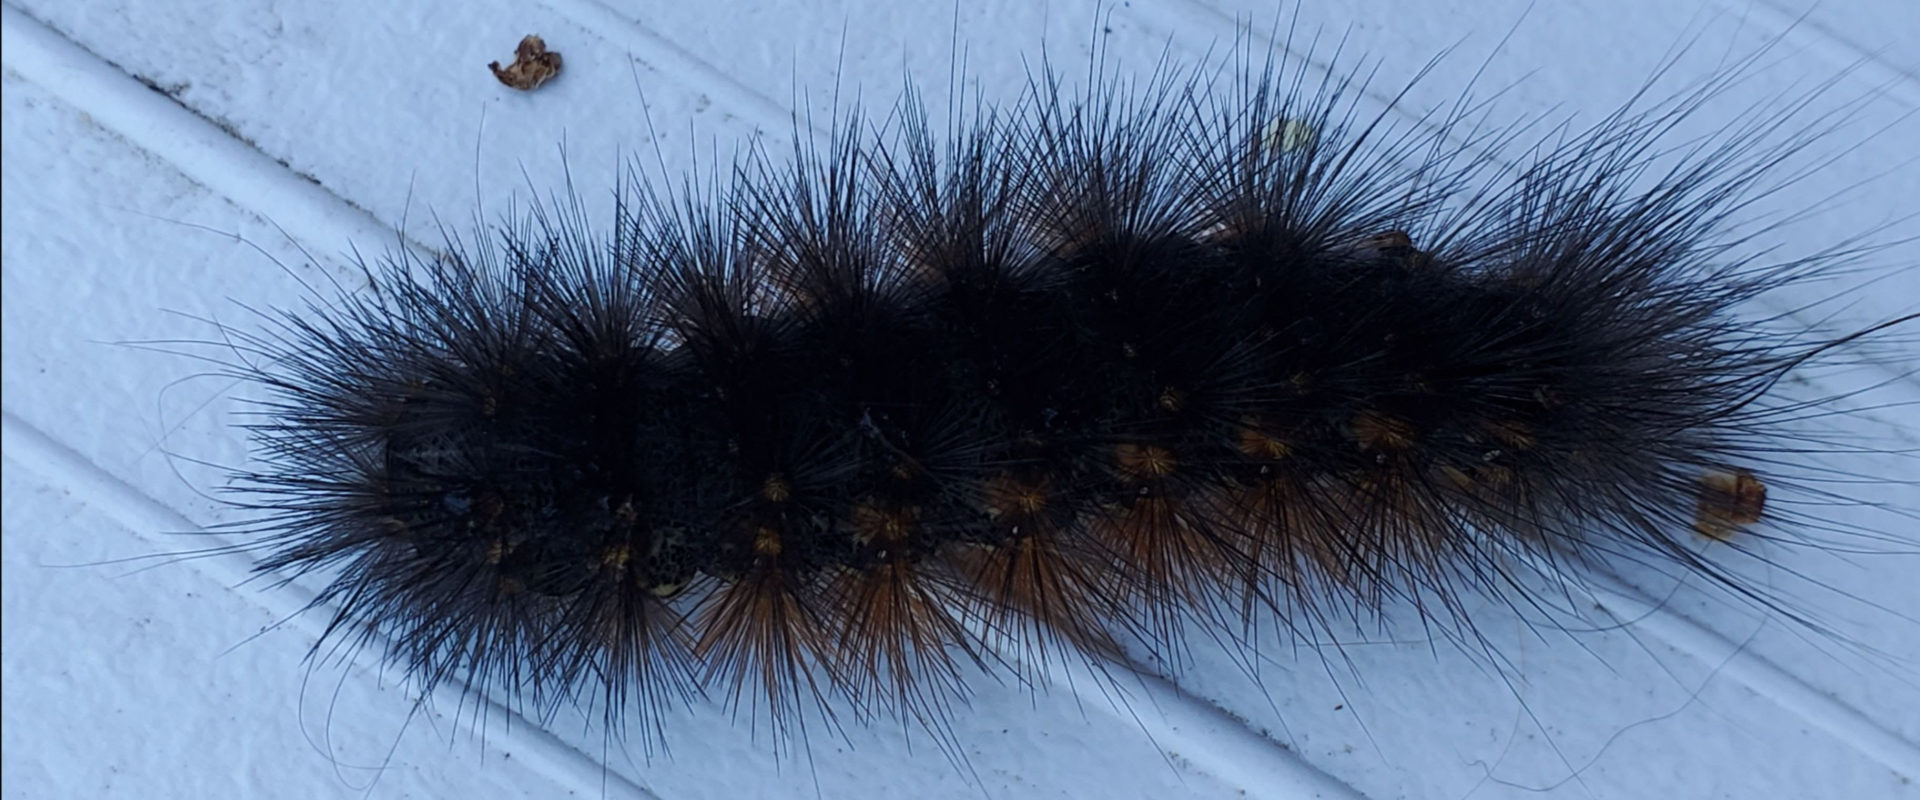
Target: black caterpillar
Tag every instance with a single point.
(1060, 376)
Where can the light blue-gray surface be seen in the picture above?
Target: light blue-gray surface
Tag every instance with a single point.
(344, 120)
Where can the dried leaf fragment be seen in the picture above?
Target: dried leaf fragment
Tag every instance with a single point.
(1728, 501)
(533, 64)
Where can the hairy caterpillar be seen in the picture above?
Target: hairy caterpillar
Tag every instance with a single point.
(1066, 137)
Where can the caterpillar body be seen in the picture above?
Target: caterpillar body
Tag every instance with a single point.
(1076, 373)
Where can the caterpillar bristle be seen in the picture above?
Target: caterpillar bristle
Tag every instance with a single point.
(1064, 378)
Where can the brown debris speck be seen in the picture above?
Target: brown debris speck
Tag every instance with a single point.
(533, 64)
(1729, 500)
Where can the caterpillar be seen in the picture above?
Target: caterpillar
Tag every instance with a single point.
(1076, 373)
(937, 398)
